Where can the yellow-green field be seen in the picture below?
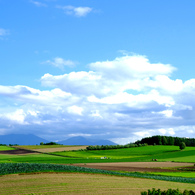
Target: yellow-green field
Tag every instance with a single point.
(51, 148)
(69, 183)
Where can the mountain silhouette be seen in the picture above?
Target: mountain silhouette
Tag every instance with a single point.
(79, 140)
(21, 139)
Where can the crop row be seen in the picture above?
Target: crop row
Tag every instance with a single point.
(12, 168)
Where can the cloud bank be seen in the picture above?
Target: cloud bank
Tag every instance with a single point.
(122, 100)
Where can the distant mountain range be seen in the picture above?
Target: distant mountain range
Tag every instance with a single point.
(79, 140)
(30, 139)
(21, 139)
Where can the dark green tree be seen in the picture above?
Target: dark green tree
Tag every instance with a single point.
(164, 140)
(182, 145)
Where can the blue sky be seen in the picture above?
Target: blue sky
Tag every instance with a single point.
(118, 70)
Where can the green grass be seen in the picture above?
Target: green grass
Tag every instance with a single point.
(32, 158)
(3, 148)
(176, 174)
(138, 154)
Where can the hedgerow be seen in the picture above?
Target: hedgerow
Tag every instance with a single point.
(110, 147)
(13, 168)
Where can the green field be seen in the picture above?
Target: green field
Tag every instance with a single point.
(138, 154)
(3, 148)
(176, 174)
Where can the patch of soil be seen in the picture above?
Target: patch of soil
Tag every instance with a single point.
(188, 168)
(130, 169)
(137, 166)
(16, 152)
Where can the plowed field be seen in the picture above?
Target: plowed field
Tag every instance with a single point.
(138, 166)
(17, 152)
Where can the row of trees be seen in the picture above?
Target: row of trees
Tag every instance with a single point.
(167, 140)
(49, 143)
(154, 140)
(9, 145)
(108, 147)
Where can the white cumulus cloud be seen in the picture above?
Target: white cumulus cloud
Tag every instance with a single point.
(126, 98)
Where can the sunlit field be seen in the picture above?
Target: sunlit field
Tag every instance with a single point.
(74, 183)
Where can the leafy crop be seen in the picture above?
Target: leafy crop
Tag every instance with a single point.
(12, 168)
(167, 192)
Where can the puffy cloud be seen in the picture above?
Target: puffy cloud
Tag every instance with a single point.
(18, 116)
(80, 83)
(77, 11)
(75, 110)
(123, 100)
(131, 67)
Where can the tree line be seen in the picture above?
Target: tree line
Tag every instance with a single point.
(154, 140)
(108, 147)
(167, 140)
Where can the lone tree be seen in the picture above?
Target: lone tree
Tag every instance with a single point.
(182, 146)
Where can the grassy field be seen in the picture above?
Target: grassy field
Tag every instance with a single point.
(4, 148)
(138, 154)
(176, 174)
(79, 183)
